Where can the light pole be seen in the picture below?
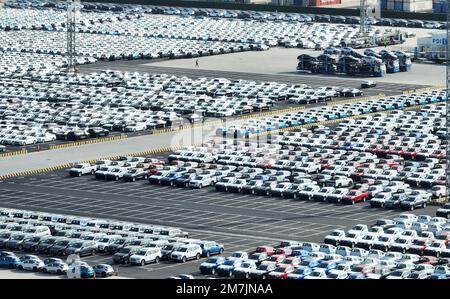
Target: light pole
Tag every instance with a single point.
(447, 110)
(73, 7)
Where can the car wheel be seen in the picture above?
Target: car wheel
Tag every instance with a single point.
(35, 269)
(157, 259)
(106, 249)
(126, 261)
(20, 267)
(213, 271)
(411, 208)
(171, 183)
(264, 277)
(45, 270)
(424, 205)
(353, 202)
(230, 274)
(143, 263)
(404, 250)
(267, 193)
(221, 251)
(184, 259)
(239, 190)
(20, 248)
(294, 196)
(200, 186)
(116, 178)
(382, 205)
(133, 179)
(93, 252)
(79, 174)
(197, 256)
(208, 254)
(247, 276)
(186, 185)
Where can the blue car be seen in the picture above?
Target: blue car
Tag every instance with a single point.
(87, 272)
(300, 273)
(210, 248)
(309, 262)
(227, 268)
(171, 178)
(357, 276)
(9, 261)
(211, 264)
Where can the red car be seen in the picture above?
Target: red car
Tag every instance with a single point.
(355, 196)
(269, 250)
(430, 260)
(155, 168)
(281, 272)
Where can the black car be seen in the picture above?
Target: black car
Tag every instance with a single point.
(16, 242)
(45, 245)
(184, 180)
(97, 132)
(59, 248)
(124, 254)
(30, 245)
(136, 174)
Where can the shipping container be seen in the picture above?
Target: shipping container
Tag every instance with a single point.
(323, 2)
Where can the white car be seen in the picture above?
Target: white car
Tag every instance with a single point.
(31, 265)
(81, 169)
(201, 181)
(56, 268)
(145, 256)
(186, 252)
(334, 237)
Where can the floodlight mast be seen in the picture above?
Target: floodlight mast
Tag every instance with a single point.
(447, 110)
(73, 7)
(363, 17)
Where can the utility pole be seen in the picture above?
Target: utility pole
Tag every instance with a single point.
(73, 7)
(447, 110)
(363, 17)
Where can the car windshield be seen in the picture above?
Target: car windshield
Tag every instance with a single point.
(167, 247)
(141, 252)
(62, 243)
(263, 267)
(212, 260)
(19, 237)
(125, 250)
(247, 265)
(229, 263)
(182, 249)
(77, 245)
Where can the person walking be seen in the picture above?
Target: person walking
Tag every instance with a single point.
(196, 63)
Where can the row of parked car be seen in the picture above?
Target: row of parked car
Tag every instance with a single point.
(48, 106)
(333, 112)
(128, 243)
(401, 248)
(52, 265)
(221, 13)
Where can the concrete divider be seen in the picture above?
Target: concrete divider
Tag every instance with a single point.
(84, 142)
(15, 153)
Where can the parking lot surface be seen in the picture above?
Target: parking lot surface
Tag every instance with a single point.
(240, 222)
